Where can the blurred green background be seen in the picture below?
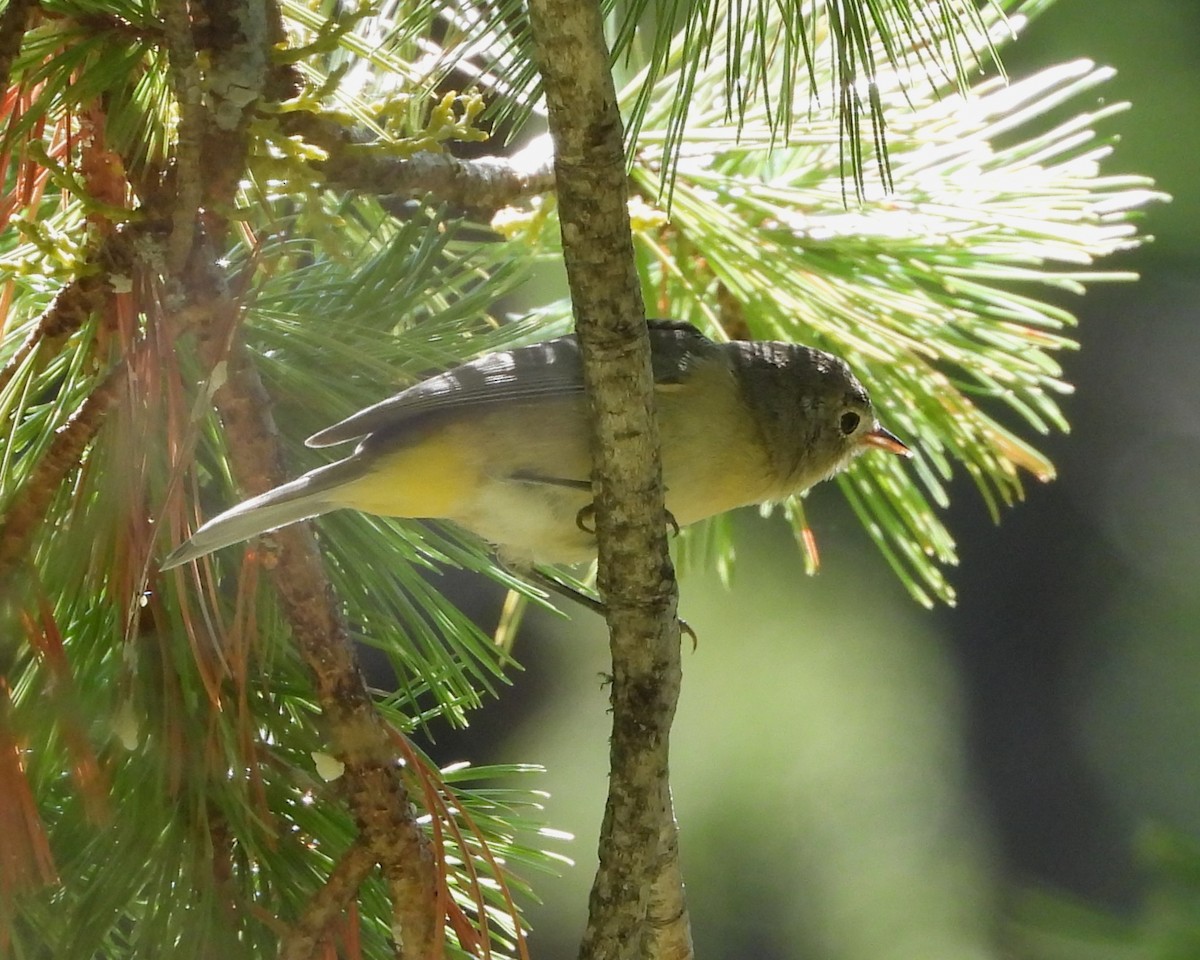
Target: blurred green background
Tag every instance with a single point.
(858, 778)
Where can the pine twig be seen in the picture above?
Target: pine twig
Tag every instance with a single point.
(639, 868)
(28, 508)
(238, 31)
(668, 931)
(482, 185)
(80, 298)
(328, 903)
(13, 23)
(186, 83)
(235, 81)
(376, 794)
(71, 306)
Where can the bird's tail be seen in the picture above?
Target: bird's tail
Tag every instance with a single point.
(308, 496)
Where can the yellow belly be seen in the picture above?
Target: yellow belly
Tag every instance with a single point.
(496, 473)
(429, 477)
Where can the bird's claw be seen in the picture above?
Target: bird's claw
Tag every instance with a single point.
(672, 523)
(585, 519)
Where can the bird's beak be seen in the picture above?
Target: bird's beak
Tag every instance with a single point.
(886, 440)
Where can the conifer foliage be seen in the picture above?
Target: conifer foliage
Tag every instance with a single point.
(228, 223)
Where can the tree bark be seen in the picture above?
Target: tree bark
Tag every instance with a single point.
(636, 907)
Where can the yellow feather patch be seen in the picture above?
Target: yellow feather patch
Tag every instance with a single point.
(431, 477)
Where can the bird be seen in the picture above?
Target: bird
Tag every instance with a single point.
(500, 445)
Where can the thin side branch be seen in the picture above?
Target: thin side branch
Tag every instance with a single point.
(13, 23)
(28, 508)
(376, 794)
(79, 299)
(238, 33)
(483, 185)
(639, 869)
(328, 904)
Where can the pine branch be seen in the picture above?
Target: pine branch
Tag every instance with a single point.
(638, 846)
(375, 792)
(186, 82)
(79, 299)
(668, 930)
(238, 35)
(481, 185)
(327, 905)
(28, 508)
(13, 23)
(374, 789)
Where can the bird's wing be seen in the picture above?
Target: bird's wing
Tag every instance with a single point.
(551, 369)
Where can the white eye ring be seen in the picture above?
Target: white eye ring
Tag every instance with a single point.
(849, 422)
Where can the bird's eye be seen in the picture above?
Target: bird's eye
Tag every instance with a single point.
(849, 422)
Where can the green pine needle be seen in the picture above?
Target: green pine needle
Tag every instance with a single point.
(929, 293)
